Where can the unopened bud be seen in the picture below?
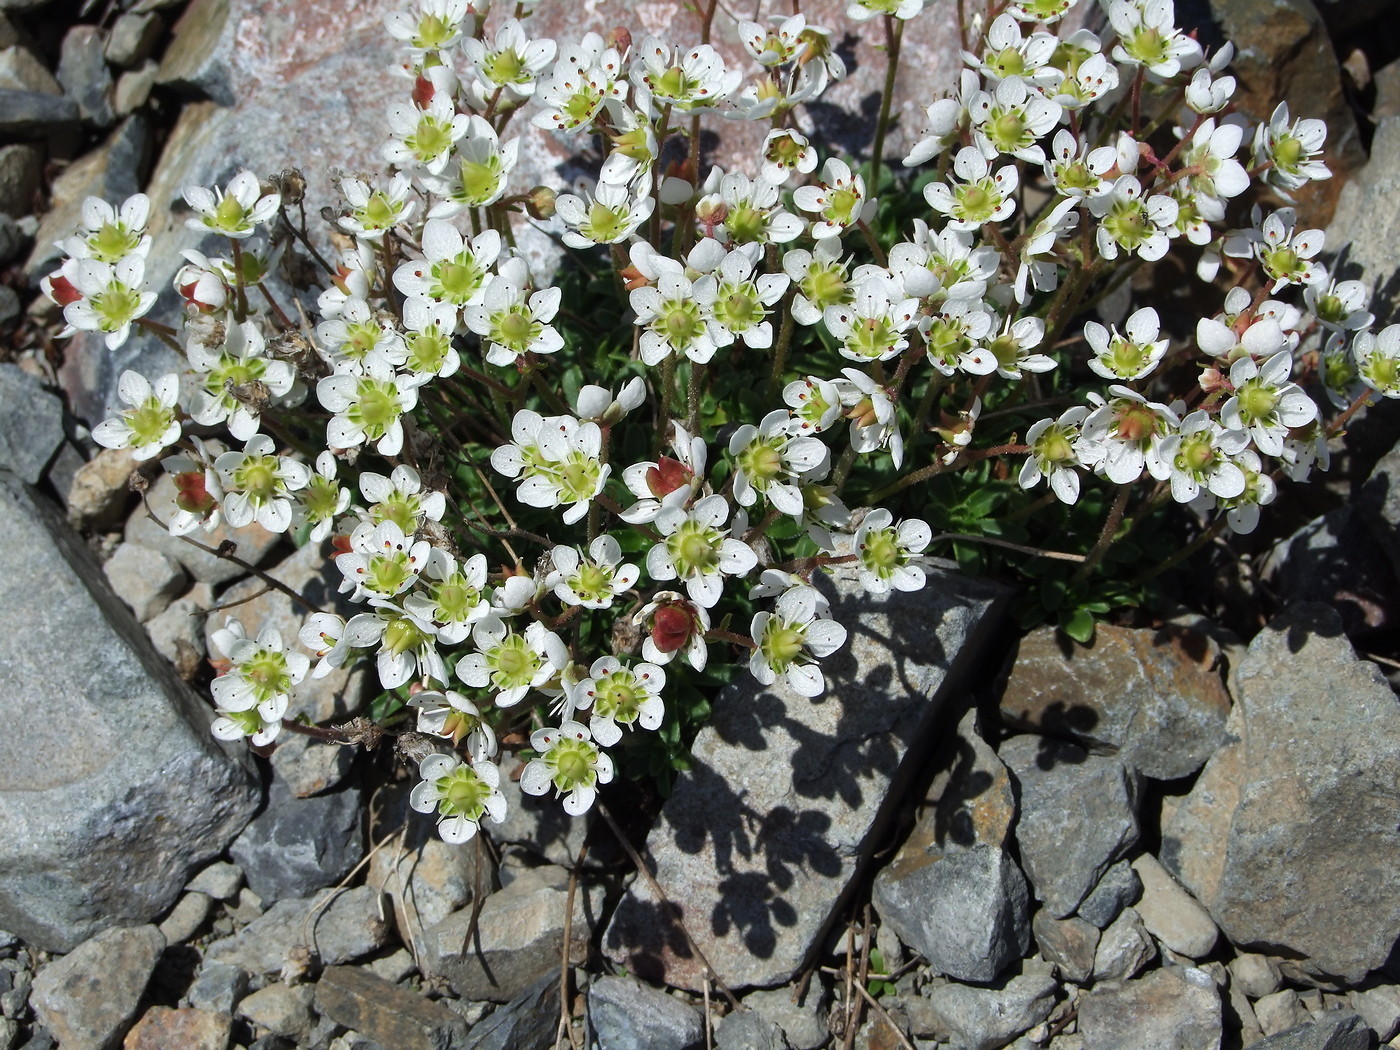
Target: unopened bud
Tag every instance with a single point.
(539, 202)
(291, 184)
(621, 38)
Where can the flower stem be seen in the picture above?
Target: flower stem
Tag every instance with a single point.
(894, 35)
(1108, 535)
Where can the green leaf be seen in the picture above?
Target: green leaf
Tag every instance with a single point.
(1079, 625)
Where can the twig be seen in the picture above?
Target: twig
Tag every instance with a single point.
(564, 1013)
(1107, 536)
(1034, 552)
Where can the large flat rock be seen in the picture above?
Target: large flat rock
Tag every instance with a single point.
(763, 836)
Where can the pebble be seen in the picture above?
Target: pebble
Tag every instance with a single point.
(20, 167)
(1379, 1007)
(1279, 1011)
(134, 88)
(83, 72)
(1069, 943)
(297, 846)
(804, 1023)
(1171, 914)
(31, 427)
(350, 927)
(29, 111)
(145, 579)
(281, 1009)
(1124, 948)
(390, 1015)
(98, 494)
(186, 918)
(393, 967)
(1170, 1007)
(625, 1014)
(745, 1030)
(220, 880)
(21, 71)
(1119, 887)
(984, 1018)
(88, 998)
(1338, 1032)
(217, 987)
(133, 38)
(162, 1028)
(1255, 975)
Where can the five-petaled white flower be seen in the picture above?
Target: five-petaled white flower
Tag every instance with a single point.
(791, 638)
(569, 762)
(232, 212)
(151, 423)
(698, 550)
(592, 581)
(258, 484)
(890, 556)
(617, 695)
(460, 794)
(509, 663)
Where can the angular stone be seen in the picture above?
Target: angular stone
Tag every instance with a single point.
(1256, 975)
(1279, 1011)
(753, 862)
(1174, 1008)
(1078, 815)
(21, 71)
(311, 767)
(1344, 1032)
(390, 1015)
(1154, 698)
(254, 544)
(144, 578)
(953, 893)
(1379, 1007)
(348, 928)
(25, 112)
(990, 1017)
(218, 987)
(1379, 504)
(1171, 914)
(178, 635)
(98, 493)
(1124, 948)
(20, 166)
(197, 59)
(743, 1030)
(297, 846)
(1119, 887)
(82, 70)
(162, 1028)
(133, 38)
(134, 88)
(281, 1009)
(1068, 943)
(804, 1022)
(528, 1022)
(186, 918)
(625, 1014)
(220, 880)
(110, 800)
(1303, 863)
(518, 938)
(88, 998)
(31, 427)
(1367, 220)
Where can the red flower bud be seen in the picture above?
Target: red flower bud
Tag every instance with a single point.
(667, 476)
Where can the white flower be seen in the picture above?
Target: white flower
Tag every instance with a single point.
(677, 316)
(1208, 93)
(776, 45)
(1265, 403)
(1147, 37)
(784, 152)
(1130, 356)
(453, 269)
(261, 673)
(150, 424)
(1378, 359)
(838, 198)
(1043, 274)
(946, 117)
(110, 297)
(432, 25)
(742, 301)
(979, 197)
(1086, 83)
(109, 235)
(871, 412)
(1199, 457)
(235, 725)
(1011, 349)
(322, 501)
(234, 211)
(791, 638)
(1046, 11)
(197, 490)
(511, 324)
(954, 337)
(460, 794)
(1009, 56)
(450, 596)
(381, 562)
(598, 404)
(376, 208)
(422, 138)
(324, 634)
(696, 549)
(890, 556)
(1292, 151)
(815, 404)
(427, 337)
(1286, 253)
(873, 327)
(673, 623)
(819, 278)
(478, 173)
(367, 408)
(1011, 119)
(593, 582)
(359, 336)
(1340, 307)
(1129, 222)
(666, 482)
(615, 694)
(569, 762)
(584, 77)
(1242, 511)
(452, 715)
(202, 282)
(611, 217)
(558, 462)
(1122, 432)
(864, 10)
(770, 462)
(1211, 153)
(237, 375)
(258, 484)
(693, 80)
(1053, 454)
(736, 210)
(512, 61)
(943, 265)
(511, 664)
(407, 644)
(1075, 169)
(400, 498)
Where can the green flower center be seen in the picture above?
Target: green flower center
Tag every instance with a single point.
(455, 599)
(113, 242)
(571, 762)
(402, 508)
(592, 582)
(149, 421)
(515, 328)
(1257, 401)
(738, 307)
(376, 406)
(694, 548)
(514, 662)
(430, 138)
(433, 33)
(1382, 371)
(1195, 454)
(675, 85)
(1148, 46)
(826, 286)
(321, 499)
(681, 323)
(458, 279)
(881, 554)
(403, 635)
(1008, 131)
(506, 67)
(1126, 359)
(388, 574)
(947, 339)
(977, 201)
(1288, 153)
(606, 224)
(1054, 446)
(842, 209)
(619, 697)
(745, 224)
(1008, 62)
(267, 673)
(116, 305)
(1127, 223)
(1076, 176)
(581, 106)
(257, 477)
(427, 350)
(462, 793)
(578, 477)
(781, 643)
(379, 213)
(229, 214)
(236, 372)
(872, 338)
(762, 462)
(480, 182)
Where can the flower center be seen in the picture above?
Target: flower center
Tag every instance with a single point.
(781, 644)
(619, 697)
(694, 548)
(463, 793)
(762, 462)
(403, 635)
(113, 242)
(376, 406)
(880, 552)
(1257, 402)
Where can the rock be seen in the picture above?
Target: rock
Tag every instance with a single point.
(1367, 218)
(1335, 559)
(1279, 1011)
(394, 967)
(197, 60)
(528, 1022)
(1255, 975)
(220, 880)
(803, 1023)
(82, 70)
(1243, 1018)
(1118, 888)
(988, 1018)
(21, 71)
(311, 767)
(31, 427)
(26, 112)
(953, 893)
(1174, 1008)
(625, 1014)
(99, 493)
(1302, 864)
(299, 845)
(144, 578)
(1345, 1032)
(1152, 697)
(538, 823)
(391, 1016)
(1379, 1007)
(162, 1028)
(1068, 943)
(120, 790)
(133, 38)
(1124, 948)
(88, 998)
(9, 304)
(12, 239)
(20, 167)
(9, 35)
(753, 863)
(744, 1030)
(178, 635)
(519, 936)
(1171, 914)
(281, 1009)
(348, 928)
(1078, 815)
(185, 919)
(134, 88)
(217, 987)
(1379, 505)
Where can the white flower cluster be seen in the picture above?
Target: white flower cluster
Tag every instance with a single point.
(432, 308)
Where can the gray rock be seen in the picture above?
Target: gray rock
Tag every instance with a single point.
(1119, 887)
(9, 304)
(753, 863)
(99, 492)
(21, 71)
(625, 1014)
(518, 939)
(186, 918)
(745, 1030)
(1279, 1011)
(1344, 1032)
(1367, 218)
(20, 167)
(12, 239)
(26, 112)
(953, 893)
(348, 928)
(217, 987)
(1152, 697)
(220, 880)
(134, 88)
(133, 38)
(254, 544)
(299, 845)
(393, 967)
(528, 1022)
(178, 634)
(1078, 815)
(1335, 559)
(1379, 1007)
(1068, 943)
(990, 1017)
(1248, 1025)
(88, 998)
(110, 800)
(1171, 914)
(803, 1023)
(1124, 948)
(391, 1016)
(1174, 1008)
(1301, 864)
(280, 1009)
(311, 767)
(1379, 504)
(31, 427)
(82, 70)
(197, 61)
(1255, 975)
(145, 579)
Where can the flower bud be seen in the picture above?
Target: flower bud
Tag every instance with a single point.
(539, 202)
